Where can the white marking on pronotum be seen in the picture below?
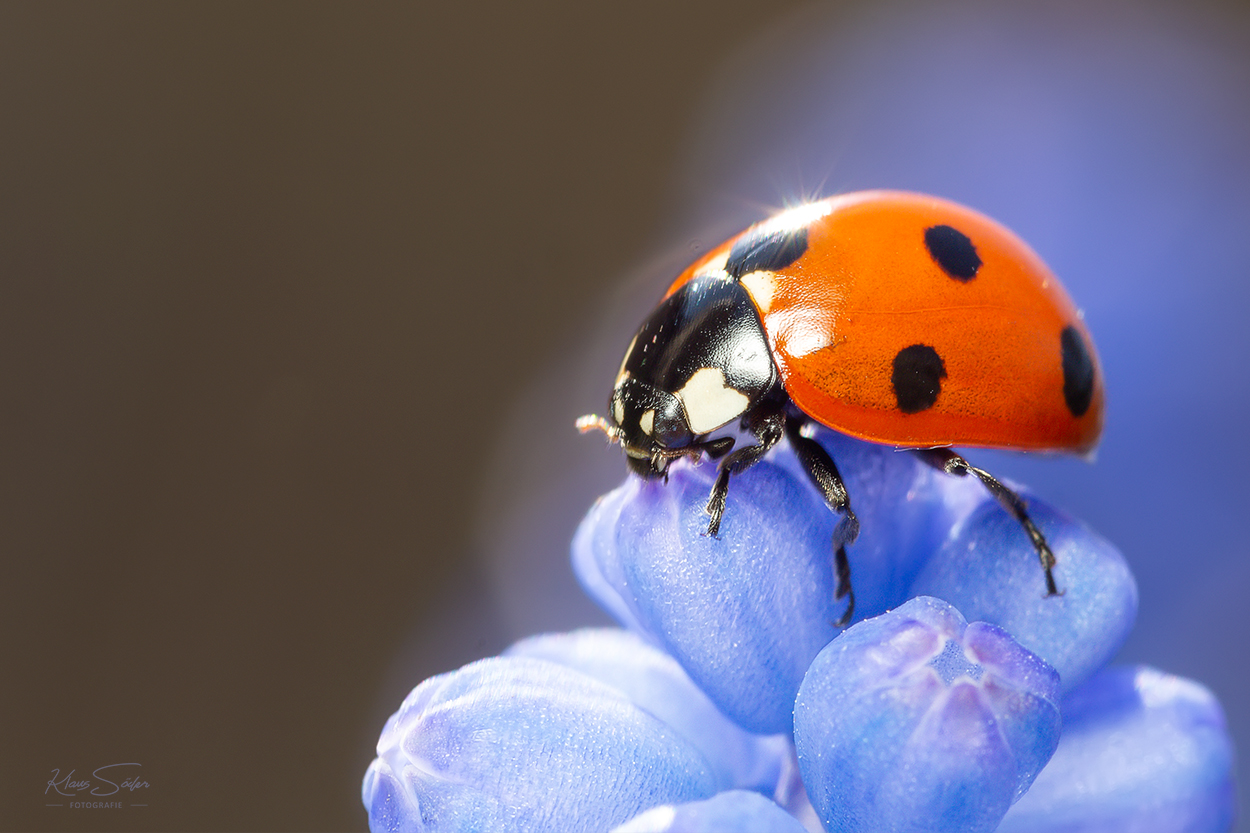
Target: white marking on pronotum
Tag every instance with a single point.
(715, 266)
(709, 402)
(647, 421)
(760, 285)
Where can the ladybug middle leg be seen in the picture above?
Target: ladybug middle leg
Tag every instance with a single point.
(825, 477)
(951, 463)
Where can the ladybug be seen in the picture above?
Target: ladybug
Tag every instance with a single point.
(898, 318)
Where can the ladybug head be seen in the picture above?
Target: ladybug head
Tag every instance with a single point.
(699, 362)
(649, 423)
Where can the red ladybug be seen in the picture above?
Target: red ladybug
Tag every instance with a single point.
(898, 318)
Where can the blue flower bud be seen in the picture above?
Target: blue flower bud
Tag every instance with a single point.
(737, 811)
(655, 682)
(518, 744)
(744, 613)
(916, 720)
(989, 570)
(1141, 750)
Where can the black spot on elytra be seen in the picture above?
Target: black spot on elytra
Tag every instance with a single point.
(1078, 371)
(770, 251)
(917, 378)
(953, 251)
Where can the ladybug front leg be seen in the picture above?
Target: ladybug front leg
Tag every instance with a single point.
(951, 463)
(825, 477)
(766, 424)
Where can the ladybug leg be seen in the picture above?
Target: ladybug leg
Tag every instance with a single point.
(824, 476)
(951, 463)
(766, 424)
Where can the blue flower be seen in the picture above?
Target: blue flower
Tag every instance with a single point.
(915, 720)
(731, 701)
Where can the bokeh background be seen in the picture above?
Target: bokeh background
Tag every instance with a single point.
(298, 303)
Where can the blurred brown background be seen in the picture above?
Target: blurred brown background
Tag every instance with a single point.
(271, 277)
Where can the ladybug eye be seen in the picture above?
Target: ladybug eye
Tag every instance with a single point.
(668, 425)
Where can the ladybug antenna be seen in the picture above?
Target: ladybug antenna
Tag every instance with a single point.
(593, 422)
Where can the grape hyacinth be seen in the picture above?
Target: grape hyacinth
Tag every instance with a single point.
(961, 698)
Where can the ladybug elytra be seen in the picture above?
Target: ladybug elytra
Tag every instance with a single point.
(897, 318)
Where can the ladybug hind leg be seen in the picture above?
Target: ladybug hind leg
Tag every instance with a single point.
(825, 477)
(951, 463)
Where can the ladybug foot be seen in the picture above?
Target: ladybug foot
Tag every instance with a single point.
(713, 526)
(716, 503)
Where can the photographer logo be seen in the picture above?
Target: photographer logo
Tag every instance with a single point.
(108, 787)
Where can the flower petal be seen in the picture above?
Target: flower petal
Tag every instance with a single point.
(1141, 751)
(518, 744)
(655, 682)
(744, 613)
(916, 721)
(989, 570)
